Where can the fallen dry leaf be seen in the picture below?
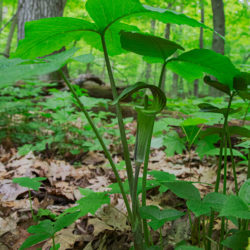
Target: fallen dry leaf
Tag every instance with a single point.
(9, 191)
(8, 224)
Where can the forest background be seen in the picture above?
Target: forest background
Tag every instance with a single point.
(230, 17)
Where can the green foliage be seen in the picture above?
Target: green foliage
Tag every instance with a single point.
(244, 192)
(187, 247)
(32, 183)
(237, 241)
(235, 207)
(148, 45)
(209, 62)
(183, 189)
(159, 217)
(47, 229)
(12, 70)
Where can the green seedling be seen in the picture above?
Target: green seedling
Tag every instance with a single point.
(31, 184)
(47, 229)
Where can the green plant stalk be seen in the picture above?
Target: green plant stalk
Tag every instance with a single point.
(199, 231)
(138, 239)
(53, 242)
(225, 167)
(222, 143)
(106, 152)
(119, 116)
(134, 194)
(190, 220)
(233, 162)
(163, 71)
(204, 232)
(144, 185)
(248, 170)
(222, 232)
(161, 239)
(31, 207)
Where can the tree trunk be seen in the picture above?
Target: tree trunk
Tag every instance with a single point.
(30, 10)
(149, 67)
(201, 43)
(10, 36)
(218, 44)
(37, 9)
(175, 84)
(219, 26)
(167, 36)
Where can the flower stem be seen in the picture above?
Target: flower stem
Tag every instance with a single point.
(222, 144)
(233, 162)
(119, 116)
(106, 152)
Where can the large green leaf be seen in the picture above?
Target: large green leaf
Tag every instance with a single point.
(215, 200)
(44, 36)
(216, 151)
(217, 85)
(106, 12)
(235, 207)
(12, 70)
(245, 192)
(41, 232)
(148, 45)
(198, 207)
(112, 37)
(209, 62)
(237, 241)
(159, 217)
(183, 189)
(240, 131)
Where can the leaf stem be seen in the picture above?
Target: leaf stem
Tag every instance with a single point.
(222, 144)
(119, 116)
(53, 242)
(162, 76)
(106, 152)
(232, 160)
(31, 208)
(144, 184)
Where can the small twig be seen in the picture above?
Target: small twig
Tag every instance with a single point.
(12, 18)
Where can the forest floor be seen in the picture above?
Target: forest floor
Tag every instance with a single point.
(109, 227)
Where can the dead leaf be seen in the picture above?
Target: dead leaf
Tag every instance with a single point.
(113, 217)
(10, 191)
(66, 238)
(8, 224)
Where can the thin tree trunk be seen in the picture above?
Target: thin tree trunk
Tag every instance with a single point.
(167, 36)
(88, 67)
(219, 26)
(10, 36)
(201, 43)
(149, 67)
(218, 44)
(34, 10)
(175, 84)
(1, 13)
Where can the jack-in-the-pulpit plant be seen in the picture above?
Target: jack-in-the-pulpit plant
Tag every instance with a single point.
(109, 34)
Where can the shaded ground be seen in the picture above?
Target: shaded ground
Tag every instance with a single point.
(108, 228)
